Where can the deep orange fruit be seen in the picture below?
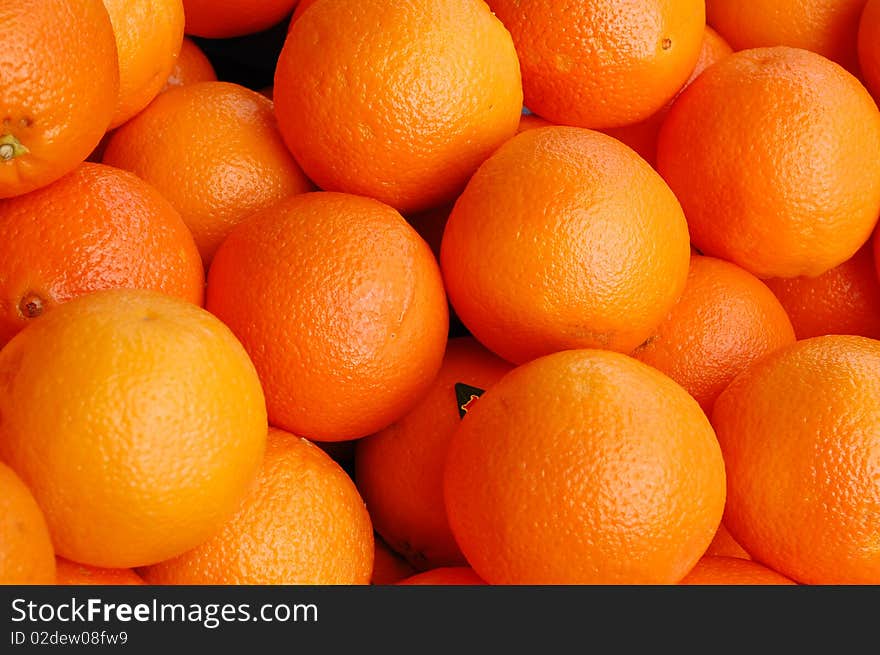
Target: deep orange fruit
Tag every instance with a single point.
(399, 470)
(602, 63)
(303, 523)
(800, 433)
(26, 555)
(397, 101)
(349, 338)
(108, 229)
(726, 319)
(136, 419)
(564, 238)
(869, 46)
(222, 19)
(59, 94)
(774, 154)
(192, 66)
(584, 467)
(716, 570)
(71, 573)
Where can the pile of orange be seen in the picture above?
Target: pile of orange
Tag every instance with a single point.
(502, 292)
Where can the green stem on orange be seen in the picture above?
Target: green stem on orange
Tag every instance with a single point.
(10, 148)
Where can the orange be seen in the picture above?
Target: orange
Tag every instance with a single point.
(148, 38)
(869, 46)
(452, 575)
(302, 524)
(340, 304)
(827, 27)
(221, 19)
(724, 545)
(191, 66)
(800, 433)
(26, 555)
(714, 570)
(108, 229)
(564, 238)
(397, 101)
(301, 6)
(59, 94)
(642, 136)
(774, 154)
(584, 467)
(388, 566)
(844, 300)
(399, 470)
(726, 319)
(214, 151)
(71, 573)
(602, 63)
(136, 419)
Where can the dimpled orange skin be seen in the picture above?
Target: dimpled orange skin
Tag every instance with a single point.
(450, 575)
(800, 433)
(71, 573)
(136, 419)
(228, 158)
(59, 93)
(148, 34)
(869, 46)
(564, 238)
(221, 19)
(642, 136)
(774, 154)
(303, 523)
(584, 467)
(725, 319)
(398, 101)
(602, 63)
(399, 470)
(827, 27)
(108, 229)
(26, 554)
(192, 66)
(844, 300)
(341, 306)
(716, 570)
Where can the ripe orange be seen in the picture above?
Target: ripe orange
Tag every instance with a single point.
(26, 555)
(715, 570)
(221, 19)
(303, 523)
(148, 38)
(192, 66)
(96, 228)
(602, 63)
(584, 467)
(397, 101)
(452, 575)
(827, 27)
(800, 433)
(214, 151)
(58, 93)
(774, 154)
(388, 566)
(724, 545)
(726, 319)
(71, 573)
(869, 46)
(564, 238)
(642, 136)
(844, 300)
(399, 470)
(136, 419)
(341, 306)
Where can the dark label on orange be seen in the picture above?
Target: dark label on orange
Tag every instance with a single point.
(466, 395)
